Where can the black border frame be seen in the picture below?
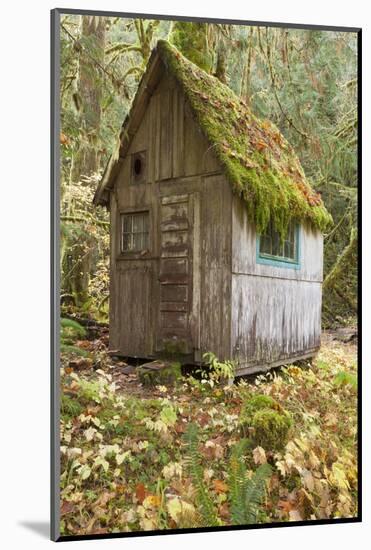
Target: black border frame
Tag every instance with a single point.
(55, 275)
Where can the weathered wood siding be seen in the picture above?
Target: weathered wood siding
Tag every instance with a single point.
(216, 242)
(276, 311)
(156, 297)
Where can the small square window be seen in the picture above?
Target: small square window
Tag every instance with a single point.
(138, 167)
(272, 248)
(134, 232)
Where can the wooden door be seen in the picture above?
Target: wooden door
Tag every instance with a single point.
(135, 303)
(178, 324)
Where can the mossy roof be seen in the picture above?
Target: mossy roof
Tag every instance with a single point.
(259, 163)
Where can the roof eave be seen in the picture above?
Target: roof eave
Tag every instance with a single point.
(129, 127)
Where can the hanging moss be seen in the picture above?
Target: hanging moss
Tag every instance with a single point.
(258, 161)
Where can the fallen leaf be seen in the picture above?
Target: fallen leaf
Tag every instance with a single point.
(220, 486)
(295, 515)
(66, 508)
(259, 455)
(152, 501)
(140, 492)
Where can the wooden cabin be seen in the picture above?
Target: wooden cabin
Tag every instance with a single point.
(216, 236)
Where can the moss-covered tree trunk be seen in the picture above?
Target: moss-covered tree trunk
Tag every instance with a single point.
(192, 40)
(89, 95)
(87, 158)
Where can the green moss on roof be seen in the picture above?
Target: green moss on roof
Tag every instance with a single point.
(259, 163)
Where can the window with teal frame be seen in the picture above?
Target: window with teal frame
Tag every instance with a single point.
(272, 250)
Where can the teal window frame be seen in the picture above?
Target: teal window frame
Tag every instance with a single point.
(278, 261)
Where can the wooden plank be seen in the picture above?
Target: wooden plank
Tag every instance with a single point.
(174, 293)
(134, 306)
(195, 317)
(157, 137)
(114, 340)
(215, 266)
(174, 211)
(165, 169)
(174, 306)
(174, 199)
(178, 135)
(274, 319)
(174, 270)
(174, 320)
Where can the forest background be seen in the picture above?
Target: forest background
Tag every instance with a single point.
(304, 81)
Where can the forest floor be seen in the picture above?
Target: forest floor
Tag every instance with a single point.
(129, 461)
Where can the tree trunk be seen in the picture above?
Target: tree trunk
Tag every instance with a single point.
(89, 95)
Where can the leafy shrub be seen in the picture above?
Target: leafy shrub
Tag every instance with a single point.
(71, 330)
(270, 423)
(74, 350)
(344, 378)
(216, 370)
(166, 375)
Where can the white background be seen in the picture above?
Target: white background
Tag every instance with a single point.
(25, 264)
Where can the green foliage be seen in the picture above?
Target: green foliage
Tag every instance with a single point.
(345, 378)
(304, 81)
(169, 374)
(193, 462)
(216, 370)
(70, 330)
(70, 407)
(73, 350)
(245, 492)
(191, 40)
(271, 429)
(246, 489)
(270, 424)
(123, 450)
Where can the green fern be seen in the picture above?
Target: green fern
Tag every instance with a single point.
(193, 462)
(245, 493)
(69, 349)
(70, 329)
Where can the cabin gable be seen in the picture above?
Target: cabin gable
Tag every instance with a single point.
(189, 272)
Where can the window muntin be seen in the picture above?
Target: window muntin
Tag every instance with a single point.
(134, 232)
(271, 247)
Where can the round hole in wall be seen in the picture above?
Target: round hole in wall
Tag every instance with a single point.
(137, 166)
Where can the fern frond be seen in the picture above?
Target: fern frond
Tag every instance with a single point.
(245, 493)
(73, 325)
(193, 462)
(254, 491)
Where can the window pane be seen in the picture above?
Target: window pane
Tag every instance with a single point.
(134, 236)
(276, 245)
(272, 245)
(138, 223)
(126, 238)
(136, 241)
(126, 226)
(265, 244)
(287, 249)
